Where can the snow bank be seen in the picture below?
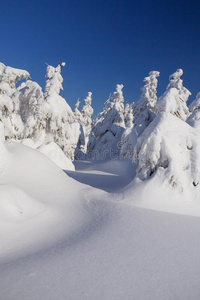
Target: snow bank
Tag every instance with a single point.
(155, 194)
(16, 205)
(36, 198)
(53, 151)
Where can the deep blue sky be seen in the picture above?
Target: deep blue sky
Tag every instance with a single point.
(103, 42)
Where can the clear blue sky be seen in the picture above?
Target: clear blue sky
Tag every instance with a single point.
(103, 42)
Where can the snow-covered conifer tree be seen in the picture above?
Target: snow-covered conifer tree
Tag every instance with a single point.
(99, 119)
(194, 108)
(86, 123)
(9, 77)
(142, 114)
(101, 115)
(29, 102)
(9, 113)
(109, 126)
(126, 112)
(129, 137)
(143, 110)
(175, 97)
(61, 126)
(169, 148)
(77, 113)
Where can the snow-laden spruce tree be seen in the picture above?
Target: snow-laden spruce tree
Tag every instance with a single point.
(9, 77)
(109, 127)
(33, 110)
(169, 148)
(99, 119)
(143, 110)
(143, 113)
(194, 109)
(86, 123)
(9, 113)
(61, 125)
(175, 97)
(126, 111)
(129, 136)
(79, 154)
(77, 113)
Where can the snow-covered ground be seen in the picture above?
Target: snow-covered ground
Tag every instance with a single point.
(93, 233)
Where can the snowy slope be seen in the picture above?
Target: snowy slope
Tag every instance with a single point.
(37, 197)
(123, 253)
(53, 151)
(62, 239)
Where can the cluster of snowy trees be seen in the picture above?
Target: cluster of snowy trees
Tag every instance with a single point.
(160, 134)
(37, 118)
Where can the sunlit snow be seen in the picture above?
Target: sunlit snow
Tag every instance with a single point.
(120, 223)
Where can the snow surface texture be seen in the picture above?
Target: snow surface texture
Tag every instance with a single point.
(54, 152)
(62, 239)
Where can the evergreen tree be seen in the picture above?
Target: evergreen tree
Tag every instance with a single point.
(77, 113)
(99, 119)
(194, 108)
(143, 110)
(109, 126)
(86, 122)
(126, 112)
(9, 113)
(9, 77)
(61, 126)
(169, 147)
(33, 110)
(175, 97)
(129, 137)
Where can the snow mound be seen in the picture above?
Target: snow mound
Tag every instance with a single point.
(154, 194)
(36, 198)
(39, 176)
(53, 151)
(16, 205)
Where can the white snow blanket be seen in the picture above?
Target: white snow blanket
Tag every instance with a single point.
(62, 239)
